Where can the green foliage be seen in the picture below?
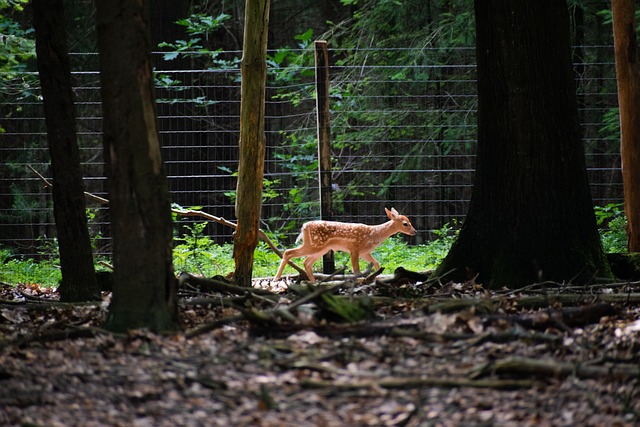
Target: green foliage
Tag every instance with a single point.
(384, 139)
(610, 128)
(265, 261)
(17, 51)
(202, 24)
(15, 269)
(614, 239)
(604, 214)
(197, 253)
(45, 271)
(607, 17)
(16, 45)
(379, 132)
(197, 24)
(612, 224)
(95, 232)
(269, 187)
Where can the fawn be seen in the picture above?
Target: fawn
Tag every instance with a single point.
(319, 237)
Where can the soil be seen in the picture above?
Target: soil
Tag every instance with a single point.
(413, 354)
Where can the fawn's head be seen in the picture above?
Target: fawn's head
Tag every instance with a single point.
(402, 223)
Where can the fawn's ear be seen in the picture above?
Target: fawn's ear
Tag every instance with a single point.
(392, 214)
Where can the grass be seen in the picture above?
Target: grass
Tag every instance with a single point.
(15, 270)
(197, 254)
(210, 259)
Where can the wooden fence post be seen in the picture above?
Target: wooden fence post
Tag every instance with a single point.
(324, 141)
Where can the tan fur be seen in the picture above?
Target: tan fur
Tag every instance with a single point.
(319, 237)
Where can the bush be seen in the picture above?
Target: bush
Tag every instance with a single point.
(612, 226)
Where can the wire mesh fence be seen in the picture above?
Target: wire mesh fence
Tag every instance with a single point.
(403, 136)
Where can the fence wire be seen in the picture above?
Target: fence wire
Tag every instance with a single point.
(403, 136)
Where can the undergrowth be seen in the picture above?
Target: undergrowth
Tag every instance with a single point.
(196, 253)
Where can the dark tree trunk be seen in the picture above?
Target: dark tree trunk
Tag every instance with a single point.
(252, 138)
(163, 15)
(144, 288)
(76, 260)
(628, 74)
(531, 216)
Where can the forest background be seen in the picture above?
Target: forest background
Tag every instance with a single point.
(404, 105)
(402, 108)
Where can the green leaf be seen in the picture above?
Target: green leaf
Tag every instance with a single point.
(169, 56)
(306, 36)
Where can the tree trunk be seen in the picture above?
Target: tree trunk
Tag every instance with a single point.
(76, 260)
(628, 74)
(324, 143)
(252, 138)
(530, 217)
(144, 288)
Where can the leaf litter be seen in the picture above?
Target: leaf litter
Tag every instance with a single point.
(422, 355)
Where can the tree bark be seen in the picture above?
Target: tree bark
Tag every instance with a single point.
(324, 143)
(252, 138)
(628, 75)
(76, 260)
(144, 288)
(531, 217)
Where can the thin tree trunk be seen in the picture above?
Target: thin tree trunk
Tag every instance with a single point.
(628, 74)
(76, 260)
(252, 138)
(144, 288)
(324, 143)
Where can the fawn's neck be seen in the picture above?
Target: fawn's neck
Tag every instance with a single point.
(380, 232)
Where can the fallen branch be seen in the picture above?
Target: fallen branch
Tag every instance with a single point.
(548, 286)
(575, 299)
(402, 274)
(214, 325)
(567, 317)
(60, 335)
(219, 285)
(315, 294)
(214, 301)
(414, 383)
(514, 334)
(433, 304)
(521, 366)
(268, 318)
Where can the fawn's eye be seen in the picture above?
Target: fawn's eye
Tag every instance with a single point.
(405, 224)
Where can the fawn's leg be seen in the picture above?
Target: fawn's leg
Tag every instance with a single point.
(300, 251)
(308, 265)
(355, 263)
(285, 260)
(369, 258)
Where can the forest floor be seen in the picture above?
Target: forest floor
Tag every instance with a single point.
(428, 355)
